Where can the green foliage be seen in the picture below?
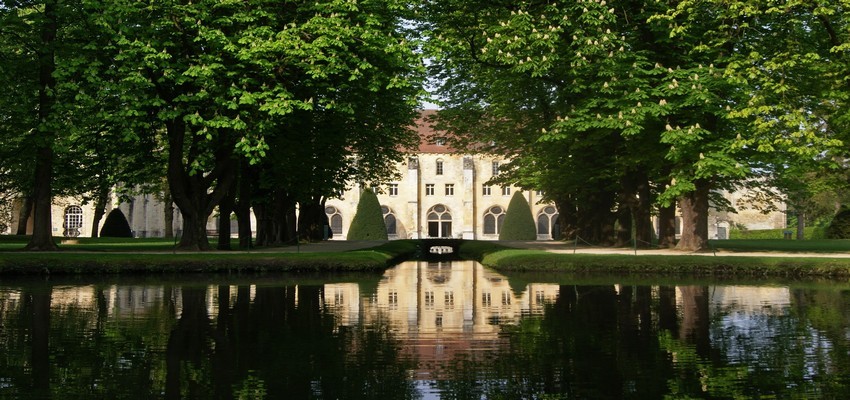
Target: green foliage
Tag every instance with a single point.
(116, 225)
(839, 228)
(368, 222)
(519, 223)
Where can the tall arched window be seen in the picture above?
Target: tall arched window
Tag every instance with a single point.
(493, 219)
(73, 221)
(439, 221)
(390, 221)
(335, 219)
(546, 220)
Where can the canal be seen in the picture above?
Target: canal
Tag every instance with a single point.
(421, 330)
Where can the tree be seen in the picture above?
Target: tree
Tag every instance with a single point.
(677, 102)
(567, 92)
(763, 109)
(36, 25)
(187, 69)
(368, 221)
(519, 223)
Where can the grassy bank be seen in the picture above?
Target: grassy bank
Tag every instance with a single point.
(506, 259)
(790, 246)
(809, 232)
(78, 262)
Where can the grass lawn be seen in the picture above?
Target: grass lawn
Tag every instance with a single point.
(113, 256)
(502, 258)
(802, 246)
(14, 243)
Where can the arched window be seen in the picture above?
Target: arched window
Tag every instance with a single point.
(493, 219)
(546, 220)
(390, 220)
(439, 167)
(335, 219)
(73, 221)
(439, 221)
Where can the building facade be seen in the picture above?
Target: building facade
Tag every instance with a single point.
(442, 193)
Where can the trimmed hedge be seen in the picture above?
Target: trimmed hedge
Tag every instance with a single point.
(368, 222)
(839, 228)
(519, 223)
(116, 225)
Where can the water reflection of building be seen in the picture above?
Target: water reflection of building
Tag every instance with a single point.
(129, 301)
(440, 310)
(751, 299)
(439, 297)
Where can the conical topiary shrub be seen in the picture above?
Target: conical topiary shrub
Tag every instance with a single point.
(116, 225)
(368, 222)
(519, 223)
(839, 228)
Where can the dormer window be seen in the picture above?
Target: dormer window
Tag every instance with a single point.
(440, 141)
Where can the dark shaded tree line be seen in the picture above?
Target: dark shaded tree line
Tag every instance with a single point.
(263, 105)
(624, 110)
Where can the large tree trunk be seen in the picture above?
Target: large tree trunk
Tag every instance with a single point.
(191, 191)
(24, 216)
(627, 203)
(667, 226)
(99, 210)
(801, 224)
(263, 223)
(42, 230)
(642, 213)
(694, 207)
(596, 221)
(310, 222)
(567, 218)
(243, 205)
(284, 205)
(225, 208)
(623, 231)
(168, 213)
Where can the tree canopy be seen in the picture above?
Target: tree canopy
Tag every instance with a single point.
(615, 107)
(619, 110)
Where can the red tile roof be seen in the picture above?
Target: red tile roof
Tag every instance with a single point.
(427, 135)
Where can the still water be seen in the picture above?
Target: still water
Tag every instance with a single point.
(451, 330)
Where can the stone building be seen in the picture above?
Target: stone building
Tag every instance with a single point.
(442, 193)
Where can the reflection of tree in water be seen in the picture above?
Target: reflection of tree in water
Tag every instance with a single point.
(77, 352)
(591, 343)
(828, 315)
(273, 346)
